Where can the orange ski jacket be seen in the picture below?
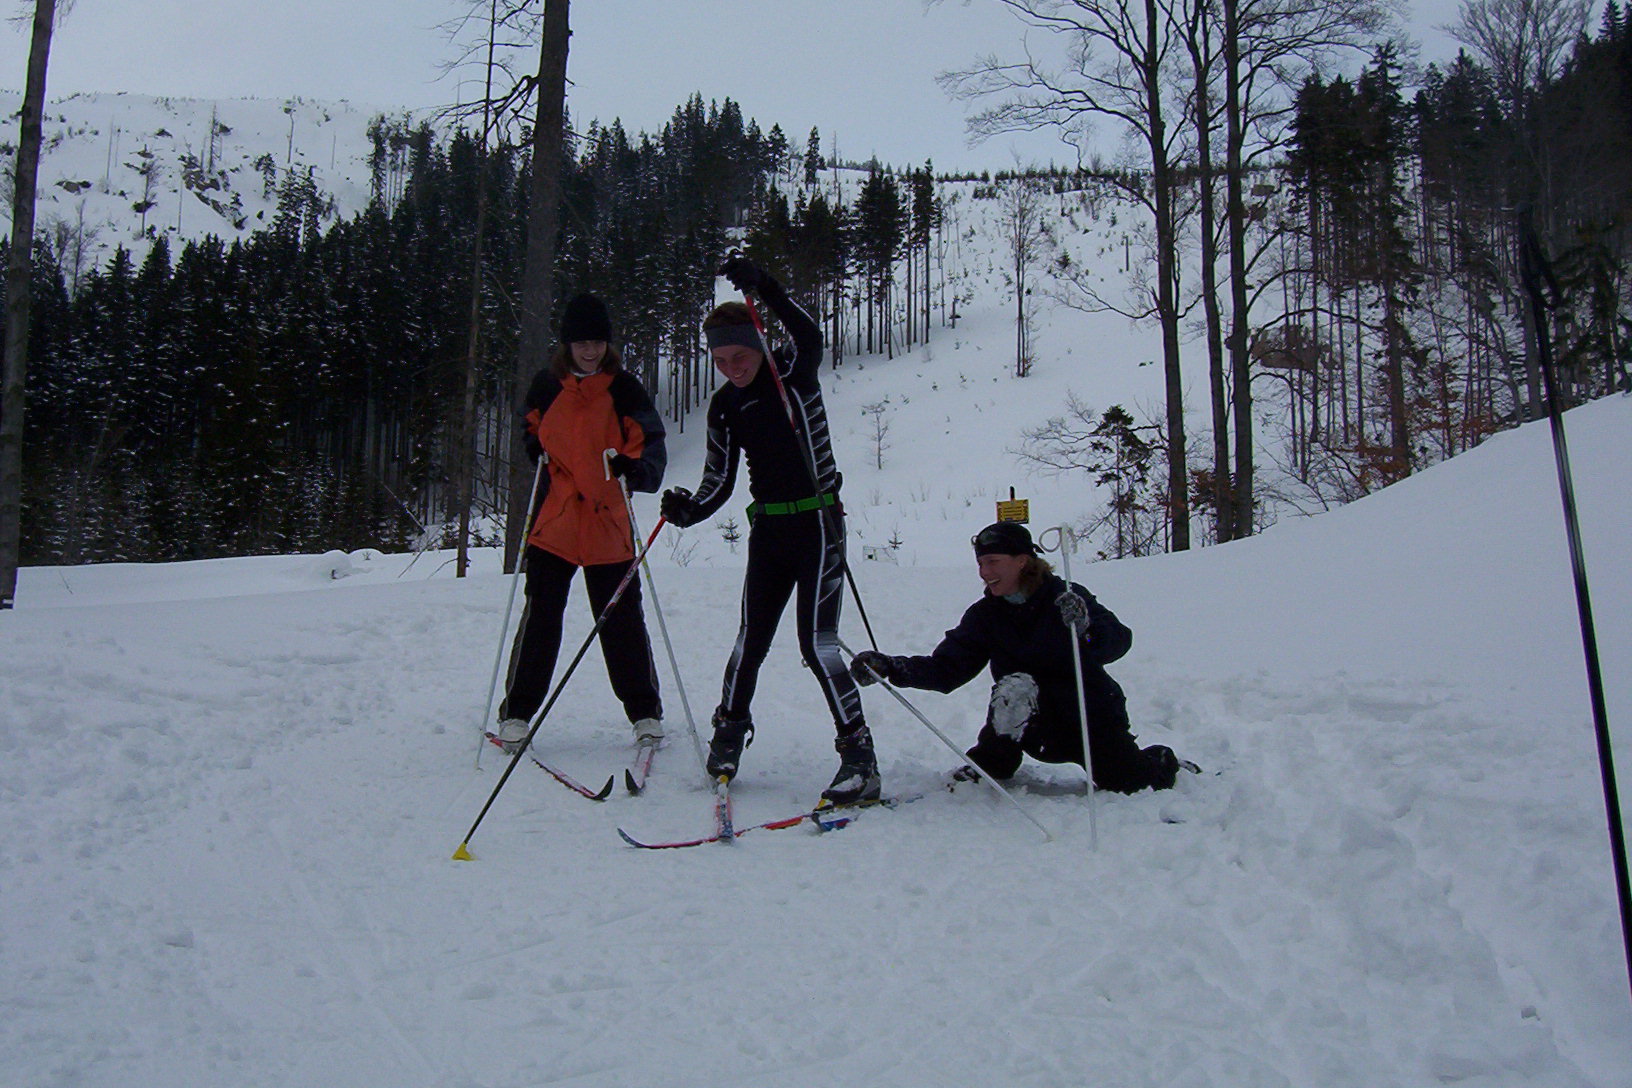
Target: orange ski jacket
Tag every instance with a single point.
(581, 514)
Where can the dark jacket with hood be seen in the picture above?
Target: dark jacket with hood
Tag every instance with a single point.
(1029, 637)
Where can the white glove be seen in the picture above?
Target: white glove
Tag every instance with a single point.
(1074, 611)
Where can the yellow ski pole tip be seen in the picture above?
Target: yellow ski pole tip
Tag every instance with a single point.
(462, 854)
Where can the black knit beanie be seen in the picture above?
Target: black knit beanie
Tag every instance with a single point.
(1003, 538)
(585, 319)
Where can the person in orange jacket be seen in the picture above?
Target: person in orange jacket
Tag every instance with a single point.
(580, 406)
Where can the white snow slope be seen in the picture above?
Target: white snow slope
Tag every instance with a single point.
(105, 153)
(231, 792)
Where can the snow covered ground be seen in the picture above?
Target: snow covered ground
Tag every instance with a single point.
(232, 790)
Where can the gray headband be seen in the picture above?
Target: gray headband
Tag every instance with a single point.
(725, 336)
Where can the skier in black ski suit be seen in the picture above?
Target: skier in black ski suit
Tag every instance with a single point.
(1023, 629)
(796, 533)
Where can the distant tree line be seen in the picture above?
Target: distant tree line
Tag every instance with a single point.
(1405, 336)
(302, 389)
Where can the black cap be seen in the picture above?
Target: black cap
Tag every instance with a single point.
(585, 319)
(1004, 538)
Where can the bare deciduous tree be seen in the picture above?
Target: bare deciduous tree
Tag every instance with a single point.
(1265, 48)
(466, 462)
(881, 430)
(1027, 233)
(1523, 43)
(1116, 68)
(491, 35)
(19, 270)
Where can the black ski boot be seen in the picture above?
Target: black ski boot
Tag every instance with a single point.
(857, 779)
(731, 736)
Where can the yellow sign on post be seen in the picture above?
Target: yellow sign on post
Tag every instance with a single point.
(1013, 509)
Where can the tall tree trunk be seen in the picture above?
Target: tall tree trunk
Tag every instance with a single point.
(1021, 367)
(1236, 220)
(912, 275)
(927, 299)
(1399, 425)
(1200, 34)
(473, 344)
(1167, 308)
(466, 460)
(1218, 386)
(543, 221)
(19, 271)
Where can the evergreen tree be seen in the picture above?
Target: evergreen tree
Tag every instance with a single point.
(878, 231)
(813, 157)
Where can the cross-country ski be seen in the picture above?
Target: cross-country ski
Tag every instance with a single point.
(559, 775)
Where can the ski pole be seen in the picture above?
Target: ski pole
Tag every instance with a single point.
(1534, 270)
(463, 852)
(809, 458)
(504, 628)
(657, 608)
(1067, 541)
(942, 737)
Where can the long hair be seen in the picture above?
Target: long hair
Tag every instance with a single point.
(562, 364)
(1032, 574)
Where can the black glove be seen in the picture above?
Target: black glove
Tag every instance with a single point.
(1074, 611)
(678, 507)
(871, 666)
(530, 443)
(745, 275)
(620, 466)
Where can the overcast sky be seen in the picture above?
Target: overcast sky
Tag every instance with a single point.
(861, 70)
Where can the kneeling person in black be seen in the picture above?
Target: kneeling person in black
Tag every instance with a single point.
(796, 534)
(1025, 629)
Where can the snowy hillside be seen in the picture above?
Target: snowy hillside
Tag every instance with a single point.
(232, 790)
(106, 154)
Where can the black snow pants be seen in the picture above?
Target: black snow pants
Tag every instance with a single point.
(1050, 731)
(624, 643)
(786, 552)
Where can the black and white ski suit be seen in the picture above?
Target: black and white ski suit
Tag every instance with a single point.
(796, 535)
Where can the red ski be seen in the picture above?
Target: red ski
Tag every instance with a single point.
(562, 777)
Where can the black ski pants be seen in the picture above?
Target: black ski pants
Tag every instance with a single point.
(1052, 733)
(624, 643)
(801, 552)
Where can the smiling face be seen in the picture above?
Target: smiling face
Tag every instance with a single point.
(1001, 573)
(588, 354)
(739, 364)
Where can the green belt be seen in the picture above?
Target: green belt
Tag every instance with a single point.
(797, 506)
